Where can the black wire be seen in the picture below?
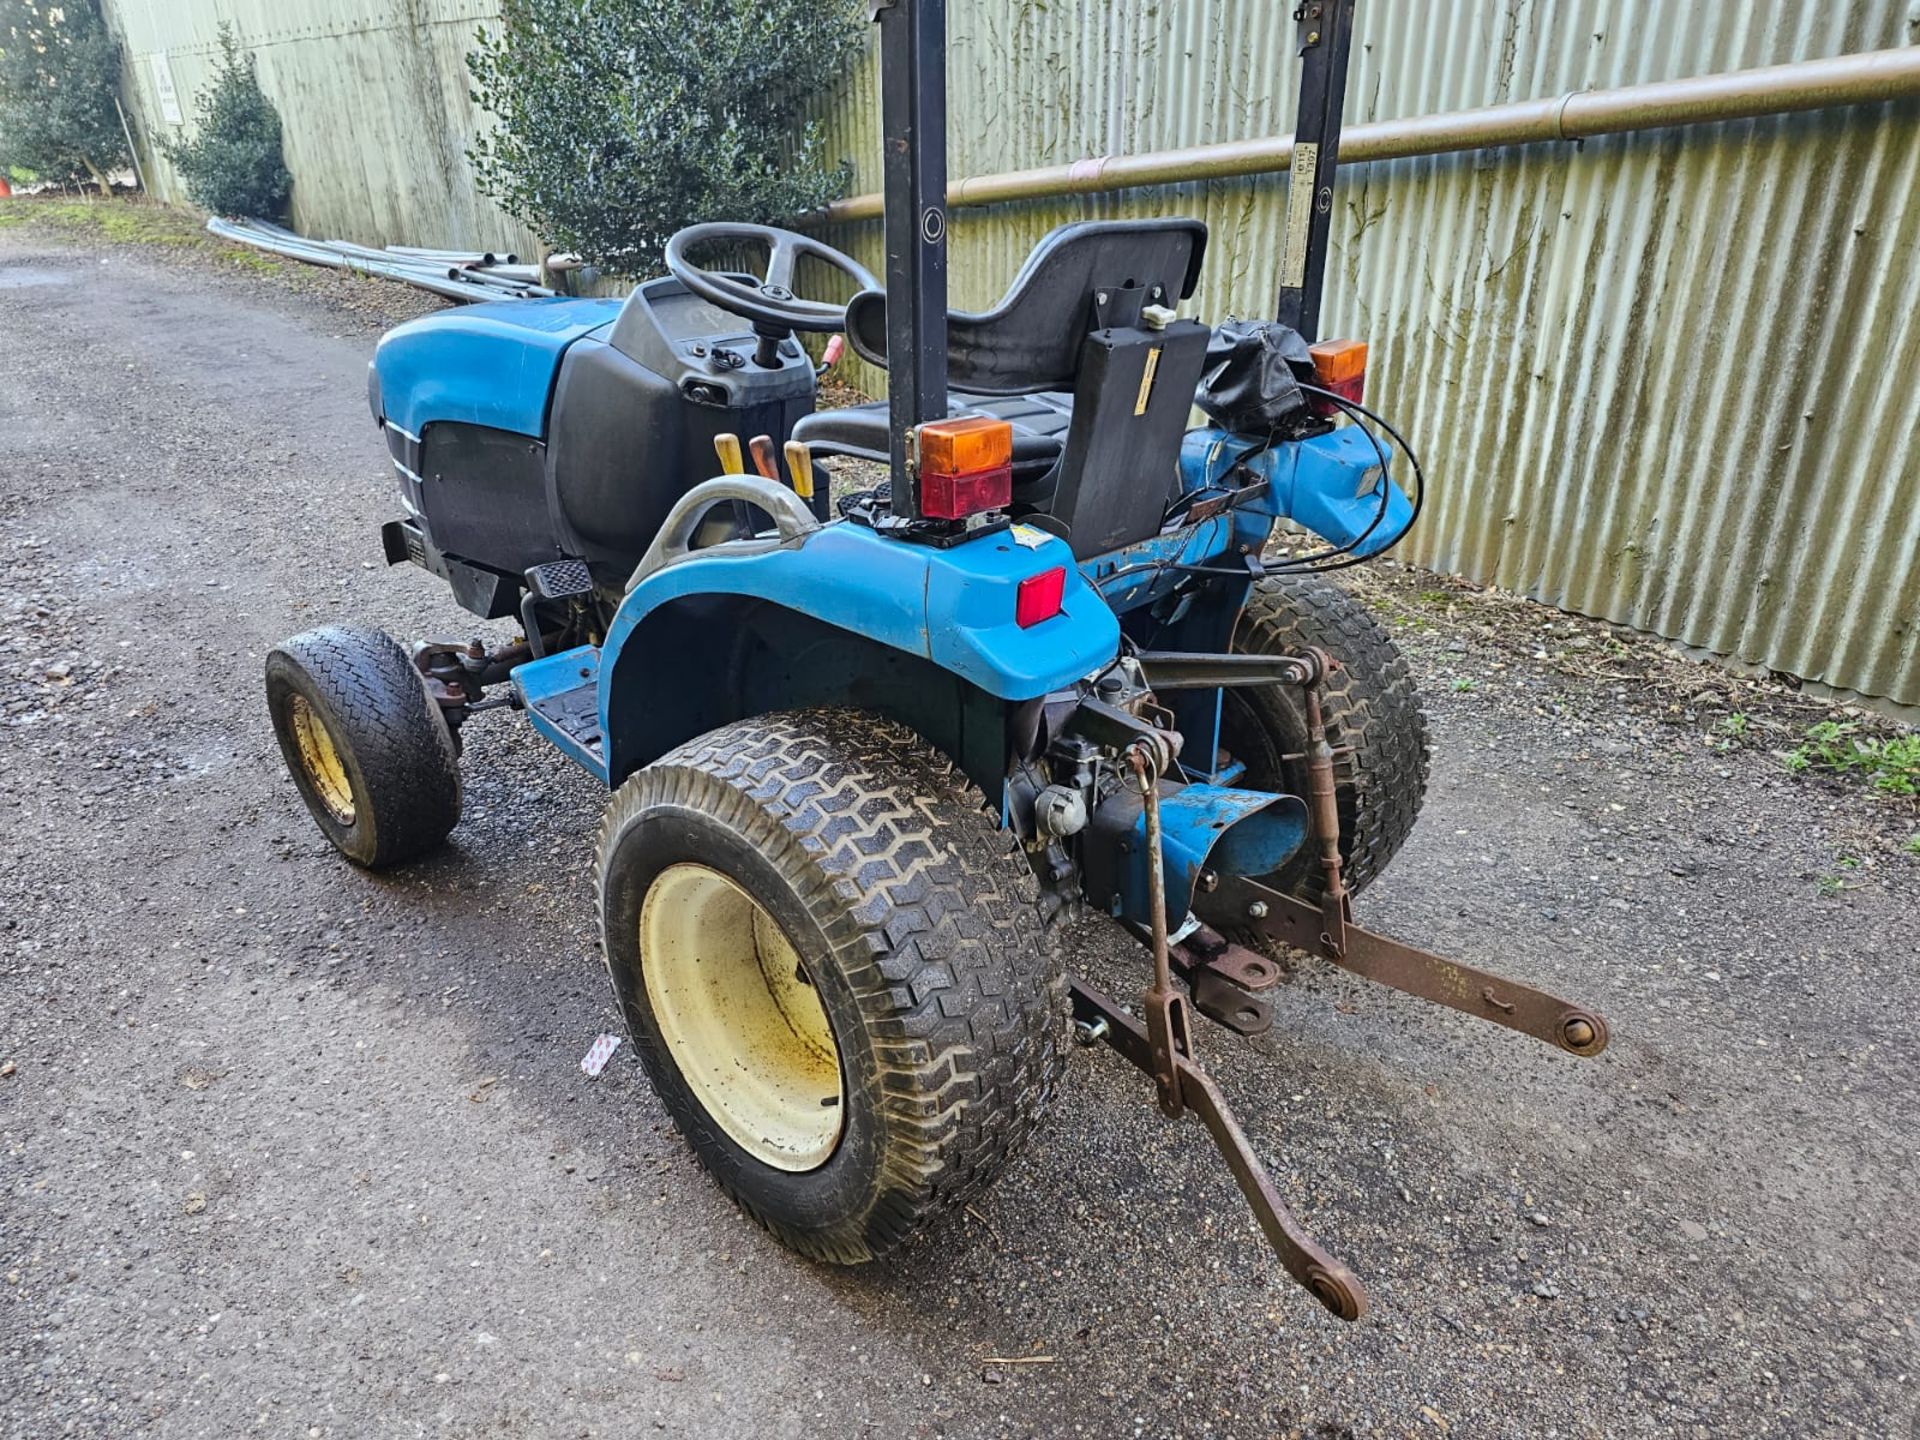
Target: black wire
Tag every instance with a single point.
(1315, 564)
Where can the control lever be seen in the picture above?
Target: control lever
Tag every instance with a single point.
(800, 466)
(727, 447)
(761, 448)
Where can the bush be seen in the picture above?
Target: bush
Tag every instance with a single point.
(233, 165)
(59, 72)
(622, 120)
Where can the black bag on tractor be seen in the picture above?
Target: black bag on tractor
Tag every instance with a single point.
(864, 754)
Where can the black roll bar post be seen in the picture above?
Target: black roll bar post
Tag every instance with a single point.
(913, 118)
(1324, 29)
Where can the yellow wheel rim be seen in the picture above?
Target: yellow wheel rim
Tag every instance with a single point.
(740, 1018)
(320, 759)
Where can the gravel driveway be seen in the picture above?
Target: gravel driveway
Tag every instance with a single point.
(294, 1150)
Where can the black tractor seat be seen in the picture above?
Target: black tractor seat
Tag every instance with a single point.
(1087, 361)
(862, 431)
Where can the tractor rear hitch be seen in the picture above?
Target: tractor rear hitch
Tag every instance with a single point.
(1222, 976)
(1163, 1048)
(1335, 1286)
(1246, 903)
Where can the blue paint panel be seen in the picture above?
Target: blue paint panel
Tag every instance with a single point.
(971, 593)
(1246, 832)
(541, 683)
(490, 364)
(1200, 544)
(1329, 483)
(954, 607)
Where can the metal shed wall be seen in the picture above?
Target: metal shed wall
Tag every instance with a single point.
(373, 97)
(1670, 379)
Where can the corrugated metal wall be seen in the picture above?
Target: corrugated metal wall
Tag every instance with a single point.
(1670, 379)
(1667, 378)
(373, 96)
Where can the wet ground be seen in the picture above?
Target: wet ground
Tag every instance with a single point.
(293, 1150)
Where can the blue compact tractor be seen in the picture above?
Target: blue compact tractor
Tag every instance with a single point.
(872, 736)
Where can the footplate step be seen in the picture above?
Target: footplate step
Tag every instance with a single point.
(560, 579)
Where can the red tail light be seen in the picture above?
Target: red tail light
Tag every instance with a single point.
(966, 467)
(1341, 367)
(1039, 597)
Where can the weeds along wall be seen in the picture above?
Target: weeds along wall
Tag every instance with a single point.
(1663, 378)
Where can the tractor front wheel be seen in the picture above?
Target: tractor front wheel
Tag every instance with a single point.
(834, 968)
(368, 749)
(1372, 714)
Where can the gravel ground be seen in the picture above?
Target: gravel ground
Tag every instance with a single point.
(294, 1150)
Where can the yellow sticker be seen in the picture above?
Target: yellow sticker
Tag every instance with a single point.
(1146, 381)
(1028, 536)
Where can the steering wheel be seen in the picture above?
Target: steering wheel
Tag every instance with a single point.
(771, 304)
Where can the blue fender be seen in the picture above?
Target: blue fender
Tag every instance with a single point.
(1332, 484)
(954, 607)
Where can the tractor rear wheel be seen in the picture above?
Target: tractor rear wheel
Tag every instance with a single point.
(368, 749)
(1372, 714)
(834, 968)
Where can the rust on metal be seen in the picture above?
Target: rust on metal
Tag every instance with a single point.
(1380, 958)
(1323, 807)
(1168, 1029)
(1233, 963)
(1222, 976)
(1326, 1278)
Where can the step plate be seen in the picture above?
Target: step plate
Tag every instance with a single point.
(577, 713)
(561, 694)
(560, 579)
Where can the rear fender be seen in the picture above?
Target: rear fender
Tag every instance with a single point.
(1332, 484)
(938, 613)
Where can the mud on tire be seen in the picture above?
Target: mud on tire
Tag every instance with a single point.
(367, 747)
(1371, 709)
(915, 923)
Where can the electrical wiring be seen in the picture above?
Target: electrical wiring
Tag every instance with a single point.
(1317, 563)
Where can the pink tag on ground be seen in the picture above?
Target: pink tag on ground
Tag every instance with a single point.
(597, 1057)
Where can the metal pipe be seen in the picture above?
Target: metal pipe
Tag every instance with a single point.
(1863, 79)
(311, 254)
(133, 151)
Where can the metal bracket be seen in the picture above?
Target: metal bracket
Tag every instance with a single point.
(1562, 1024)
(1222, 977)
(1329, 1281)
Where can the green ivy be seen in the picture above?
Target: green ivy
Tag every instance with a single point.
(233, 165)
(59, 71)
(619, 121)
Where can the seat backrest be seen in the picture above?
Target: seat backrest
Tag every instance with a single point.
(1031, 340)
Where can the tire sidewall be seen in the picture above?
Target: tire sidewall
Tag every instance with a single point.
(394, 743)
(285, 679)
(648, 844)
